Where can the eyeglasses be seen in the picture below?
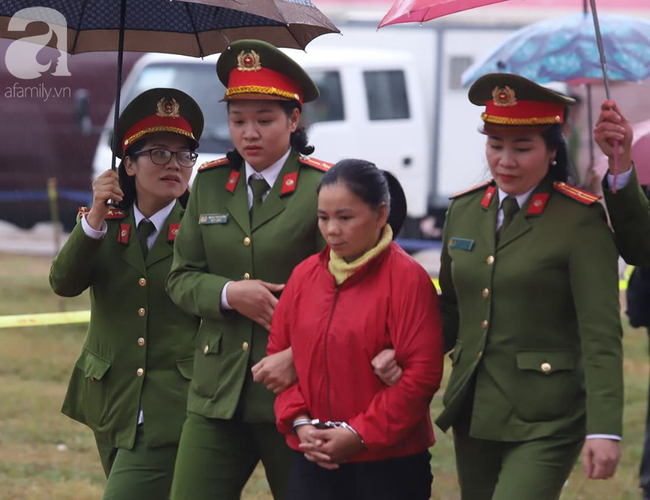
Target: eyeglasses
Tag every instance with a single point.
(161, 156)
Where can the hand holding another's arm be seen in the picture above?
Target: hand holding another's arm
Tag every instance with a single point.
(276, 372)
(254, 299)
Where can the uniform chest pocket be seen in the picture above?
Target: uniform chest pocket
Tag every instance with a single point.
(547, 385)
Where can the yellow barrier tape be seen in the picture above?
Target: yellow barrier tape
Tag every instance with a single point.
(622, 284)
(68, 318)
(65, 318)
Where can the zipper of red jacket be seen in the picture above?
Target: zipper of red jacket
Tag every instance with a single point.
(327, 371)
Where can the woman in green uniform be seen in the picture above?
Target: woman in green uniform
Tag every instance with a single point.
(629, 212)
(530, 304)
(130, 383)
(250, 220)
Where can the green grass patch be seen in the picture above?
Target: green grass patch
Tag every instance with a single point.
(46, 456)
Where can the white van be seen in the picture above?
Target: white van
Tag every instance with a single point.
(368, 109)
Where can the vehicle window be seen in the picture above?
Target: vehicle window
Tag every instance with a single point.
(329, 106)
(199, 81)
(457, 66)
(386, 95)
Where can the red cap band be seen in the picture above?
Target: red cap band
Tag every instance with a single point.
(524, 113)
(263, 81)
(156, 123)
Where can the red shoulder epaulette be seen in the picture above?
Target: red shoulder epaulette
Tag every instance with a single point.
(576, 193)
(113, 213)
(471, 190)
(82, 211)
(214, 163)
(317, 164)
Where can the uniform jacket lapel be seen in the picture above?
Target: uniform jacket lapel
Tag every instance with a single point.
(274, 204)
(132, 254)
(162, 247)
(521, 224)
(237, 205)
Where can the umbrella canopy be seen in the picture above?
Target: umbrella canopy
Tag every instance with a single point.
(565, 50)
(187, 28)
(419, 11)
(174, 27)
(640, 153)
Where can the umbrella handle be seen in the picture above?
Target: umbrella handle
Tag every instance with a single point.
(601, 49)
(118, 91)
(616, 157)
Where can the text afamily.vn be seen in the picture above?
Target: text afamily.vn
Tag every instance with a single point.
(37, 92)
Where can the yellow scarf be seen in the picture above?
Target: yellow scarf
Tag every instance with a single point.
(342, 270)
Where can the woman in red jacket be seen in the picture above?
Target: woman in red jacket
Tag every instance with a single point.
(353, 436)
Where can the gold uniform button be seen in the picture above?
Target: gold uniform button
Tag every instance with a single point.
(490, 260)
(141, 341)
(140, 372)
(486, 293)
(206, 349)
(141, 311)
(142, 282)
(244, 346)
(484, 324)
(247, 241)
(247, 276)
(546, 367)
(480, 354)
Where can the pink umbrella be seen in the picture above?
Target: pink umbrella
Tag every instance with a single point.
(418, 11)
(405, 11)
(640, 153)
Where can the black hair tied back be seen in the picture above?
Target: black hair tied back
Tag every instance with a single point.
(373, 186)
(398, 206)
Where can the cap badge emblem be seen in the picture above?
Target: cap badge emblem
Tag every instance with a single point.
(168, 108)
(504, 96)
(249, 61)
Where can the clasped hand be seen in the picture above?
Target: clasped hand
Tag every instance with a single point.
(328, 447)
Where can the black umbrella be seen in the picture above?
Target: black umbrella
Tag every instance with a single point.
(177, 27)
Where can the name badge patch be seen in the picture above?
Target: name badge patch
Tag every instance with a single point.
(461, 244)
(208, 219)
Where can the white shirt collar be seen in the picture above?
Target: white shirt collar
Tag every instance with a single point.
(158, 218)
(269, 174)
(521, 198)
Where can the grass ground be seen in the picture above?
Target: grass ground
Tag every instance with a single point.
(46, 456)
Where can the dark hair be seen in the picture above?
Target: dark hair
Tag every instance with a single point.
(127, 182)
(372, 185)
(554, 139)
(298, 139)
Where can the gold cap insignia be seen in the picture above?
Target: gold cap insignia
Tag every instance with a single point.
(249, 61)
(504, 96)
(168, 108)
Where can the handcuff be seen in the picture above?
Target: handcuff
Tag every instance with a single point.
(326, 425)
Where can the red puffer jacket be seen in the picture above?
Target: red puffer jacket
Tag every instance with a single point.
(335, 331)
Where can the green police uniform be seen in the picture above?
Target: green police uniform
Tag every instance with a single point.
(534, 324)
(138, 352)
(629, 210)
(231, 424)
